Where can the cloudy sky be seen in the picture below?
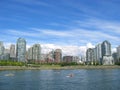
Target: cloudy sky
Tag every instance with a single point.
(72, 25)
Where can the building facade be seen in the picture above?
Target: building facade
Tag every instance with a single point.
(76, 59)
(58, 55)
(98, 53)
(21, 50)
(30, 55)
(108, 60)
(36, 52)
(101, 54)
(12, 51)
(114, 55)
(106, 48)
(118, 53)
(90, 57)
(106, 53)
(68, 59)
(2, 49)
(50, 57)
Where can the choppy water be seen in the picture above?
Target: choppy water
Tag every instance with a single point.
(60, 80)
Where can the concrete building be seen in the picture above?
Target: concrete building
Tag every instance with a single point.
(12, 51)
(36, 52)
(82, 60)
(118, 53)
(7, 51)
(21, 50)
(50, 57)
(7, 54)
(90, 58)
(30, 55)
(106, 48)
(106, 53)
(114, 55)
(68, 59)
(108, 60)
(76, 59)
(2, 50)
(98, 53)
(58, 55)
(43, 57)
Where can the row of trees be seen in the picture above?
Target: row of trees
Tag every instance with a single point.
(15, 63)
(11, 63)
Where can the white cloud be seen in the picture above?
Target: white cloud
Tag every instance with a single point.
(100, 25)
(22, 33)
(52, 32)
(55, 33)
(89, 45)
(66, 50)
(114, 50)
(78, 33)
(76, 36)
(7, 45)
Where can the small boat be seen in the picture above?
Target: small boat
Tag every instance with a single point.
(70, 75)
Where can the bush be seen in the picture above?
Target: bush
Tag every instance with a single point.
(117, 63)
(68, 64)
(11, 63)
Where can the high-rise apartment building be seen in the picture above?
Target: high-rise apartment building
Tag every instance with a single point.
(118, 53)
(58, 55)
(107, 58)
(12, 51)
(114, 55)
(106, 48)
(98, 53)
(21, 49)
(90, 57)
(1, 48)
(36, 50)
(30, 54)
(50, 57)
(6, 54)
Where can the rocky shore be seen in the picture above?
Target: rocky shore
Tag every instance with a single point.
(57, 67)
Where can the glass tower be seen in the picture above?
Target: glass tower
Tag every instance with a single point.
(21, 49)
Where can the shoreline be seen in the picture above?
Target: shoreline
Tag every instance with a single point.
(2, 68)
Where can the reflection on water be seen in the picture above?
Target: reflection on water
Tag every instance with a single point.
(58, 80)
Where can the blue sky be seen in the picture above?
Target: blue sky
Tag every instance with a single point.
(75, 23)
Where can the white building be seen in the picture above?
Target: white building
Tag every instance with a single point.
(108, 60)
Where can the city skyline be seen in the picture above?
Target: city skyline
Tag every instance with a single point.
(70, 25)
(12, 47)
(45, 49)
(100, 54)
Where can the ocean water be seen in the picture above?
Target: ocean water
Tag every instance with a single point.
(93, 79)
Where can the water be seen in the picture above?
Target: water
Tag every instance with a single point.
(94, 79)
